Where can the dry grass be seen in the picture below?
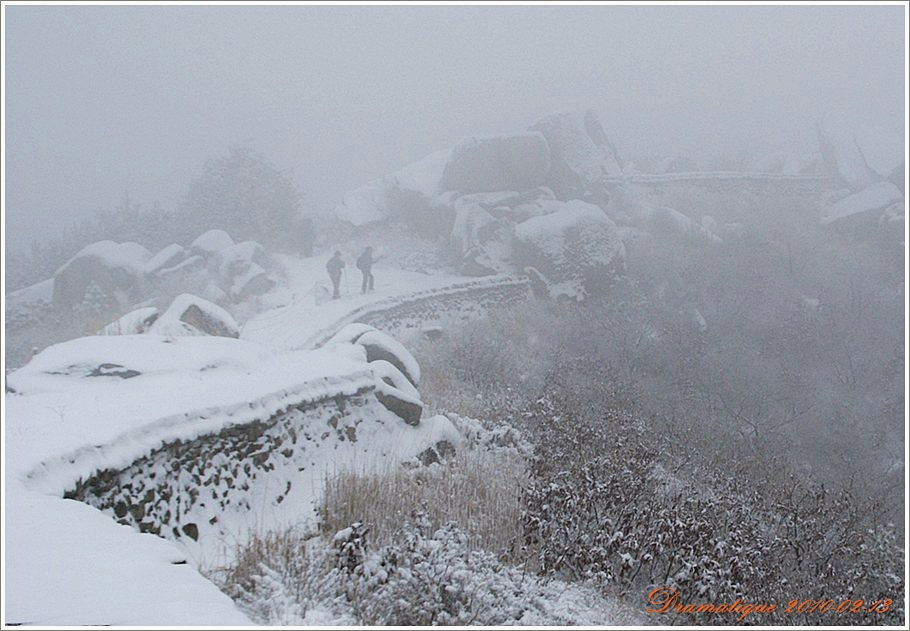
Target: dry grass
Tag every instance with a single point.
(479, 490)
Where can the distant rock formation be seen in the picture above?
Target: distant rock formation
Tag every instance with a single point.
(481, 193)
(123, 273)
(497, 163)
(581, 155)
(111, 267)
(869, 163)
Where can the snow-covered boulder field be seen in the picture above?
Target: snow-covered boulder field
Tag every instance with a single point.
(126, 272)
(201, 440)
(479, 196)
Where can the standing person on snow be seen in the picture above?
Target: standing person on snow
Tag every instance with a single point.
(334, 266)
(365, 265)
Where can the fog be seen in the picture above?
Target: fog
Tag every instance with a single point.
(107, 101)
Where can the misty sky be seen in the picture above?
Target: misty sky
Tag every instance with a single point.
(103, 101)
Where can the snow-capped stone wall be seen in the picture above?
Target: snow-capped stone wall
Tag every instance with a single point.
(208, 487)
(210, 477)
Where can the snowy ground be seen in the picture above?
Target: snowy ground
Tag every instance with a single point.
(68, 564)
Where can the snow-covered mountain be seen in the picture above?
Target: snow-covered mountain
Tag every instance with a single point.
(231, 385)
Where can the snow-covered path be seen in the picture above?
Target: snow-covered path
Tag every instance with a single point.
(305, 316)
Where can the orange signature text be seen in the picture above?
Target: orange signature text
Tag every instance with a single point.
(666, 599)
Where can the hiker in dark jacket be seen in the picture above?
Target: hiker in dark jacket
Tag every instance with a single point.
(334, 266)
(365, 265)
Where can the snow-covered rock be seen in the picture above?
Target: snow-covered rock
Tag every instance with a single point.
(406, 407)
(861, 155)
(192, 315)
(166, 258)
(577, 244)
(349, 333)
(210, 242)
(108, 265)
(390, 375)
(580, 155)
(497, 163)
(875, 197)
(380, 346)
(395, 370)
(255, 281)
(133, 323)
(409, 190)
(481, 241)
(235, 260)
(189, 265)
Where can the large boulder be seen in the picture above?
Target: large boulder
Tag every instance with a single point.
(581, 155)
(380, 346)
(407, 194)
(870, 201)
(577, 249)
(192, 315)
(133, 323)
(106, 267)
(497, 163)
(395, 371)
(166, 258)
(255, 281)
(481, 241)
(235, 260)
(208, 243)
(396, 393)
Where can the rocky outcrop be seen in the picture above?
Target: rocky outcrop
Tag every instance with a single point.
(186, 315)
(581, 155)
(497, 163)
(482, 192)
(105, 265)
(577, 249)
(192, 315)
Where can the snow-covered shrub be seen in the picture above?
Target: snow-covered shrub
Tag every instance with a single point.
(268, 577)
(601, 506)
(425, 576)
(434, 578)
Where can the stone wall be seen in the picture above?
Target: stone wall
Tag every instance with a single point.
(189, 490)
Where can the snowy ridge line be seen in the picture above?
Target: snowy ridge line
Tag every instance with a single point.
(55, 476)
(323, 335)
(695, 176)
